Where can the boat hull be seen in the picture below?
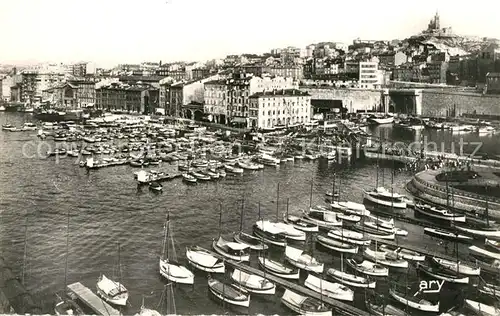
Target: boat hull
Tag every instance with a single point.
(221, 251)
(271, 267)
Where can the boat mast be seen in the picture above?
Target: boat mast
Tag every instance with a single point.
(277, 203)
(167, 235)
(220, 220)
(25, 249)
(287, 204)
(311, 194)
(164, 239)
(333, 188)
(67, 255)
(119, 270)
(242, 208)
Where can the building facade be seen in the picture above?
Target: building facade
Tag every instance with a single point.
(129, 98)
(64, 95)
(493, 83)
(390, 60)
(369, 76)
(437, 72)
(287, 71)
(279, 108)
(228, 100)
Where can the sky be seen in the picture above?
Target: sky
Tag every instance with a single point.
(109, 32)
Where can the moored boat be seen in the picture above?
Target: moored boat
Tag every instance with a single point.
(204, 260)
(384, 310)
(442, 275)
(438, 213)
(447, 235)
(403, 253)
(269, 233)
(253, 283)
(456, 267)
(301, 260)
(368, 268)
(233, 169)
(304, 305)
(336, 245)
(112, 291)
(387, 259)
(381, 197)
(231, 250)
(349, 236)
(482, 309)
(299, 224)
(279, 269)
(334, 290)
(350, 279)
(228, 293)
(413, 302)
(189, 178)
(249, 240)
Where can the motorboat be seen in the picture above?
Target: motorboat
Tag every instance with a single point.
(248, 165)
(253, 283)
(387, 259)
(304, 305)
(457, 267)
(249, 240)
(477, 251)
(200, 176)
(67, 306)
(349, 236)
(204, 260)
(299, 224)
(447, 235)
(350, 279)
(155, 186)
(413, 302)
(269, 233)
(384, 310)
(490, 289)
(442, 275)
(323, 218)
(189, 178)
(228, 293)
(233, 169)
(368, 267)
(493, 245)
(381, 120)
(111, 291)
(334, 290)
(349, 207)
(232, 250)
(336, 245)
(382, 197)
(403, 253)
(301, 260)
(438, 213)
(290, 232)
(279, 269)
(481, 233)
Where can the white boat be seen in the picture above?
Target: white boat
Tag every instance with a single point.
(482, 309)
(111, 291)
(301, 260)
(337, 245)
(253, 283)
(421, 305)
(384, 310)
(291, 232)
(304, 305)
(249, 240)
(492, 244)
(299, 224)
(485, 130)
(350, 279)
(233, 169)
(480, 232)
(439, 213)
(232, 250)
(385, 258)
(443, 234)
(147, 312)
(442, 276)
(170, 269)
(349, 236)
(490, 289)
(29, 127)
(368, 267)
(248, 165)
(351, 208)
(334, 290)
(204, 260)
(323, 218)
(403, 253)
(381, 120)
(279, 269)
(382, 197)
(457, 267)
(228, 293)
(269, 233)
(189, 178)
(484, 253)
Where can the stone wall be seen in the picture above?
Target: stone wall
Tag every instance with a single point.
(447, 103)
(352, 99)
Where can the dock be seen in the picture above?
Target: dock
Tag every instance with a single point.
(166, 177)
(92, 300)
(342, 308)
(107, 164)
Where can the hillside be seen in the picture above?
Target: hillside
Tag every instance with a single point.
(455, 45)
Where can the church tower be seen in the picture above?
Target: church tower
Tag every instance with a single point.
(437, 24)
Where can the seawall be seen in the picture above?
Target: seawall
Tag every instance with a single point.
(455, 103)
(352, 99)
(14, 298)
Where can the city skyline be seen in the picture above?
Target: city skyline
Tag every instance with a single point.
(113, 32)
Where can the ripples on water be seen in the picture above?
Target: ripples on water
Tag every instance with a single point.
(106, 209)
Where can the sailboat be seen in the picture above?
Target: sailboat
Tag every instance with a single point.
(385, 258)
(349, 279)
(279, 269)
(482, 309)
(336, 245)
(252, 242)
(171, 269)
(228, 293)
(457, 267)
(228, 249)
(368, 267)
(403, 253)
(413, 302)
(65, 305)
(334, 290)
(112, 291)
(304, 305)
(442, 275)
(301, 260)
(204, 260)
(253, 283)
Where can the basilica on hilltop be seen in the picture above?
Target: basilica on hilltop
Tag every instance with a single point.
(434, 28)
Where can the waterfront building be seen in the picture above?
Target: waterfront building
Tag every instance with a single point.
(269, 109)
(131, 98)
(437, 71)
(63, 95)
(175, 96)
(35, 81)
(369, 75)
(493, 83)
(227, 100)
(86, 91)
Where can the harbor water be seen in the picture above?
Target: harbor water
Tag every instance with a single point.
(107, 209)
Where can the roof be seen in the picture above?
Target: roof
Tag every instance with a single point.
(286, 92)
